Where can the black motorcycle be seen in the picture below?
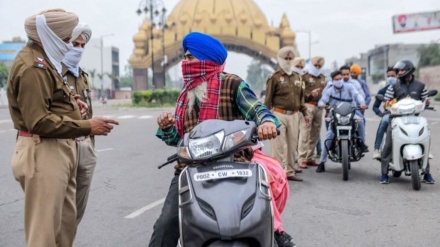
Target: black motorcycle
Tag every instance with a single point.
(346, 146)
(222, 202)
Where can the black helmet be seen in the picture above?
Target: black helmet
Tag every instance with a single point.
(405, 65)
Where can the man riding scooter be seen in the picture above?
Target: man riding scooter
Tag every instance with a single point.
(406, 86)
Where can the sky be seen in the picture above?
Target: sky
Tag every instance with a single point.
(340, 28)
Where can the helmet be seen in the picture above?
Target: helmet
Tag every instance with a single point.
(405, 65)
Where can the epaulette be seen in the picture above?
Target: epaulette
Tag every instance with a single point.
(40, 63)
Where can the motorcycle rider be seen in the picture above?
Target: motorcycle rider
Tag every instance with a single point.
(405, 86)
(383, 125)
(346, 76)
(208, 93)
(336, 92)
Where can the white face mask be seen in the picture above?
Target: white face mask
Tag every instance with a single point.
(314, 71)
(338, 83)
(298, 70)
(72, 59)
(391, 80)
(286, 65)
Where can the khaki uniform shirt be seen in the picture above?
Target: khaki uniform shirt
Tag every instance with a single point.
(80, 86)
(285, 91)
(311, 83)
(40, 102)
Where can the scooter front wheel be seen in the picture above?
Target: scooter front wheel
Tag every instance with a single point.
(415, 176)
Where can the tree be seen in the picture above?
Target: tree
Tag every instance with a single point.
(127, 81)
(429, 55)
(4, 73)
(257, 74)
(92, 74)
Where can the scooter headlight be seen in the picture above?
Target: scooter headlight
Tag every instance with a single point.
(234, 139)
(344, 120)
(207, 146)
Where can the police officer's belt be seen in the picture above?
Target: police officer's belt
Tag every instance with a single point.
(281, 110)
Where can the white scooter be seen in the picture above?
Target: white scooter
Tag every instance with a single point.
(411, 139)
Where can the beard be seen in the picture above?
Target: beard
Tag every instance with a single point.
(198, 93)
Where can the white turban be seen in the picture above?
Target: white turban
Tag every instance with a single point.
(83, 30)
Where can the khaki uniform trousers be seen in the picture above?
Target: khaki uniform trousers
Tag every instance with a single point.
(46, 171)
(308, 137)
(86, 168)
(284, 146)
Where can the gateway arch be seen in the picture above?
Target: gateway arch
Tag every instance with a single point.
(239, 24)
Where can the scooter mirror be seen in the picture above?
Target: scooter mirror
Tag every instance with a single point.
(380, 97)
(432, 92)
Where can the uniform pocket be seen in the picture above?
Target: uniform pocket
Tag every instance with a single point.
(23, 162)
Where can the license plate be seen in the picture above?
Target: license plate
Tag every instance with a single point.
(411, 120)
(220, 174)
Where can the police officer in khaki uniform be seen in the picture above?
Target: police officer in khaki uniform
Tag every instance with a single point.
(79, 83)
(315, 84)
(285, 96)
(48, 120)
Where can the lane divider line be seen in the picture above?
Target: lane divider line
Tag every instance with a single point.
(144, 209)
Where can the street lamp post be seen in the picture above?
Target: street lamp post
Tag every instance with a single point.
(309, 32)
(154, 7)
(102, 61)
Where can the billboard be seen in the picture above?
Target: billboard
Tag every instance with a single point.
(422, 21)
(8, 51)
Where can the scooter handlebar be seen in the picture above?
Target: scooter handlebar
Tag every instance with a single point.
(170, 160)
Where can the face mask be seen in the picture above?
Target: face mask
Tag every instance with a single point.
(314, 71)
(72, 59)
(391, 80)
(299, 71)
(338, 84)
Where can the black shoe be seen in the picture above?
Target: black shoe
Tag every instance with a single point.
(364, 148)
(321, 167)
(283, 239)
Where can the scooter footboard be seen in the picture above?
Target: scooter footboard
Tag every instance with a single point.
(225, 201)
(412, 152)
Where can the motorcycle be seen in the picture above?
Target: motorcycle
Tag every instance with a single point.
(411, 138)
(222, 202)
(346, 146)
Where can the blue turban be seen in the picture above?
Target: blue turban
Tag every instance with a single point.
(205, 47)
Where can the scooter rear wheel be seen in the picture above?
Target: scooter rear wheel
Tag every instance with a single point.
(397, 174)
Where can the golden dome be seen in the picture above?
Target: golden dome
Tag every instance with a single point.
(231, 12)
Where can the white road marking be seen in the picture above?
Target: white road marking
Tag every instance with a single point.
(145, 117)
(104, 150)
(126, 117)
(144, 209)
(6, 121)
(434, 123)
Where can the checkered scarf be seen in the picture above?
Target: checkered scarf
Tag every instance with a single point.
(194, 74)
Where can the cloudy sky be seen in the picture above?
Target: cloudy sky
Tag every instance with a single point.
(340, 28)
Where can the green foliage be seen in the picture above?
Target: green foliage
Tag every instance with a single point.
(429, 55)
(4, 73)
(127, 81)
(377, 77)
(158, 97)
(257, 75)
(437, 97)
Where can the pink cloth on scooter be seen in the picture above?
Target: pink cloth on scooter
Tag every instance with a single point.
(277, 182)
